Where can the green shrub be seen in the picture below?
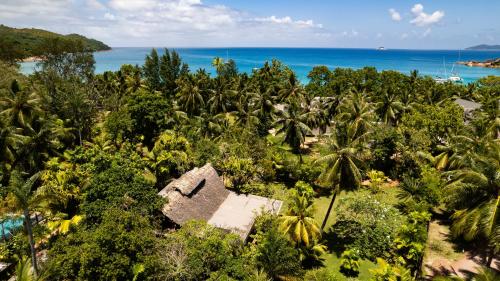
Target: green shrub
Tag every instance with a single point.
(349, 263)
(237, 172)
(366, 224)
(320, 274)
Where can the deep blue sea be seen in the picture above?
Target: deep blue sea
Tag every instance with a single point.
(302, 60)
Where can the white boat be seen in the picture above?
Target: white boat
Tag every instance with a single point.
(454, 77)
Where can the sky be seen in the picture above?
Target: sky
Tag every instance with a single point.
(436, 24)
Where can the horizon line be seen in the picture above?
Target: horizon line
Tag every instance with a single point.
(296, 47)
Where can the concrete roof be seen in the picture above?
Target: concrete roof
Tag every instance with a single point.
(237, 213)
(468, 105)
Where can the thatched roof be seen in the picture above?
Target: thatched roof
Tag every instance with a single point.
(200, 195)
(195, 195)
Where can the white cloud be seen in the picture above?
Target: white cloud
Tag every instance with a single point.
(420, 18)
(163, 23)
(109, 16)
(379, 35)
(395, 15)
(288, 20)
(135, 5)
(404, 35)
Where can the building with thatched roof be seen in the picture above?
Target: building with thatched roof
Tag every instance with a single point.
(200, 195)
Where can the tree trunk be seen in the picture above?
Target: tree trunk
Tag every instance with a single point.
(335, 191)
(4, 238)
(490, 257)
(80, 136)
(27, 219)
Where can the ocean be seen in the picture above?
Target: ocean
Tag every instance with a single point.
(302, 60)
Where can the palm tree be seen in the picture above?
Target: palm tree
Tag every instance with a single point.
(389, 108)
(357, 112)
(245, 113)
(24, 272)
(292, 91)
(9, 141)
(211, 125)
(263, 107)
(218, 63)
(293, 124)
(474, 190)
(41, 142)
(298, 222)
(443, 160)
(220, 97)
(20, 107)
(24, 199)
(342, 164)
(190, 96)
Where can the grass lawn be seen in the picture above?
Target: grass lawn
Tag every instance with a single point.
(331, 260)
(388, 196)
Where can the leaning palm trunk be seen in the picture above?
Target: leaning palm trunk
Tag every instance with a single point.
(27, 220)
(335, 191)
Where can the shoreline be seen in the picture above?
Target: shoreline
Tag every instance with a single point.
(492, 63)
(39, 58)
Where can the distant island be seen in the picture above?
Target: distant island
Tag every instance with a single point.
(484, 47)
(493, 63)
(28, 40)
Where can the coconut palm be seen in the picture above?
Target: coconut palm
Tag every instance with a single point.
(218, 63)
(298, 222)
(292, 123)
(263, 106)
(444, 159)
(342, 163)
(245, 113)
(20, 106)
(211, 126)
(220, 97)
(389, 108)
(9, 141)
(40, 144)
(190, 96)
(23, 199)
(357, 112)
(474, 191)
(292, 91)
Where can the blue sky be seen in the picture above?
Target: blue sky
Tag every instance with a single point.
(437, 24)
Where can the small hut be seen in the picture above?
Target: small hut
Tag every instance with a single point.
(200, 195)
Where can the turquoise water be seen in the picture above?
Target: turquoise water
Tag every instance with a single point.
(9, 225)
(302, 60)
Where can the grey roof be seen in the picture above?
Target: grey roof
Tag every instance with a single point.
(237, 213)
(200, 195)
(468, 105)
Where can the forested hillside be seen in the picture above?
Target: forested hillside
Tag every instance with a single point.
(28, 40)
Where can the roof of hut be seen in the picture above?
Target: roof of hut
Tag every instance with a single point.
(200, 195)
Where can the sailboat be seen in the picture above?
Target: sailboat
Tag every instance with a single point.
(453, 77)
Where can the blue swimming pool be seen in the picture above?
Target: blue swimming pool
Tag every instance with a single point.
(7, 226)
